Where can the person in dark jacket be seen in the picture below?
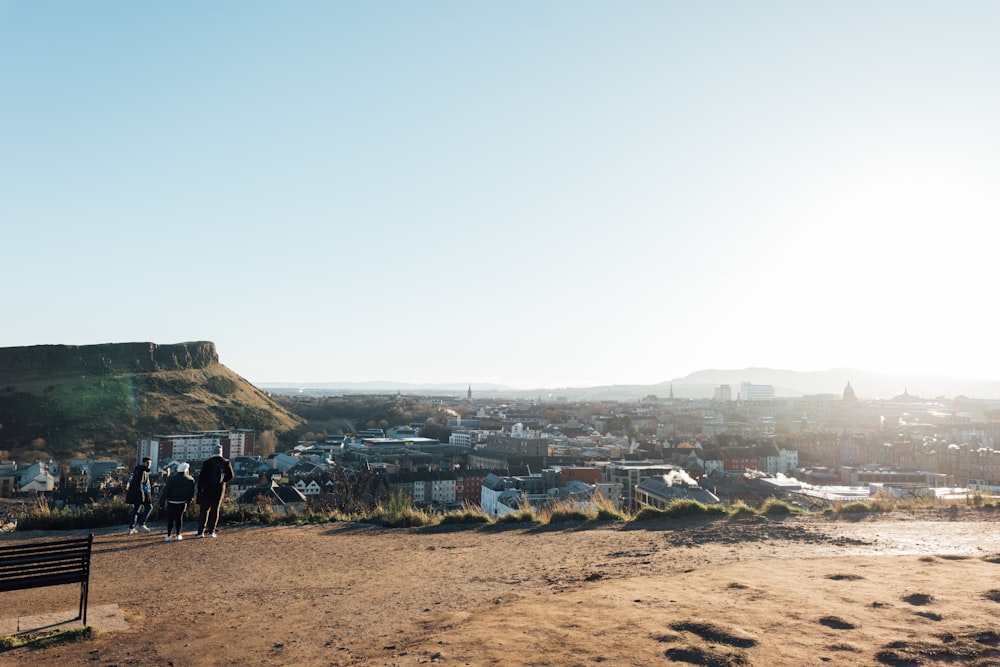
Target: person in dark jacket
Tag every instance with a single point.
(138, 494)
(215, 474)
(177, 493)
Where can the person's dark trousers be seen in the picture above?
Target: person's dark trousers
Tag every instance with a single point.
(143, 509)
(209, 517)
(175, 517)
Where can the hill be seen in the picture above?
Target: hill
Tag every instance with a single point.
(98, 400)
(698, 385)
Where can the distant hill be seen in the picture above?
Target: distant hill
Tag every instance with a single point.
(701, 384)
(98, 400)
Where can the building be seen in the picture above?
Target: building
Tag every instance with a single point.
(629, 474)
(39, 477)
(723, 393)
(756, 392)
(662, 490)
(425, 487)
(281, 500)
(468, 486)
(8, 478)
(521, 440)
(463, 439)
(196, 446)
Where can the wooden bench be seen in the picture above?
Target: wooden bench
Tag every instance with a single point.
(38, 564)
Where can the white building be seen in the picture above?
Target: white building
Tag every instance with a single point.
(312, 488)
(39, 476)
(756, 392)
(462, 439)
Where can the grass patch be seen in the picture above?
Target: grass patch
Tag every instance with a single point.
(775, 507)
(46, 640)
(884, 504)
(517, 517)
(468, 515)
(605, 510)
(564, 514)
(95, 515)
(740, 509)
(400, 512)
(680, 509)
(854, 507)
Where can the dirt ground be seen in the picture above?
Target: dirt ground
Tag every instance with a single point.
(903, 589)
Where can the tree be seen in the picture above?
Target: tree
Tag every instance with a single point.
(432, 429)
(267, 443)
(620, 424)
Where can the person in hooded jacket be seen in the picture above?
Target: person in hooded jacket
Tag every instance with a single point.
(139, 495)
(212, 480)
(177, 493)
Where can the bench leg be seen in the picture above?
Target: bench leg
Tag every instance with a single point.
(83, 601)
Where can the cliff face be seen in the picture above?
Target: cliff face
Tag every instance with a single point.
(107, 358)
(98, 400)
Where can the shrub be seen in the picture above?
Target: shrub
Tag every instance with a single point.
(221, 385)
(649, 514)
(525, 513)
(242, 515)
(610, 514)
(741, 509)
(605, 510)
(469, 514)
(775, 507)
(855, 507)
(399, 512)
(882, 504)
(95, 515)
(563, 514)
(678, 509)
(519, 516)
(887, 502)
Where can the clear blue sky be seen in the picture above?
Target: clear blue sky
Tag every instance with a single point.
(539, 194)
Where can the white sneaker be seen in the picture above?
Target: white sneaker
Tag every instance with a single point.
(199, 535)
(212, 535)
(178, 538)
(168, 538)
(131, 531)
(144, 528)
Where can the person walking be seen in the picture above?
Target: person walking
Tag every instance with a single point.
(215, 474)
(177, 493)
(138, 495)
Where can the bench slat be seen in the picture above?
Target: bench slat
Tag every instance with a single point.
(41, 572)
(15, 550)
(55, 559)
(24, 583)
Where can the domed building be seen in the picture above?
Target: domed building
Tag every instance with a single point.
(849, 393)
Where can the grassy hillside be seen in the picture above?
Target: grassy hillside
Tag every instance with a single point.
(102, 413)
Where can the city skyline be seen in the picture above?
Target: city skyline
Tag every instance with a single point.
(559, 195)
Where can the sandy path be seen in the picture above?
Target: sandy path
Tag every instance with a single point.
(759, 591)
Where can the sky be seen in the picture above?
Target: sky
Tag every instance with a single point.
(535, 194)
